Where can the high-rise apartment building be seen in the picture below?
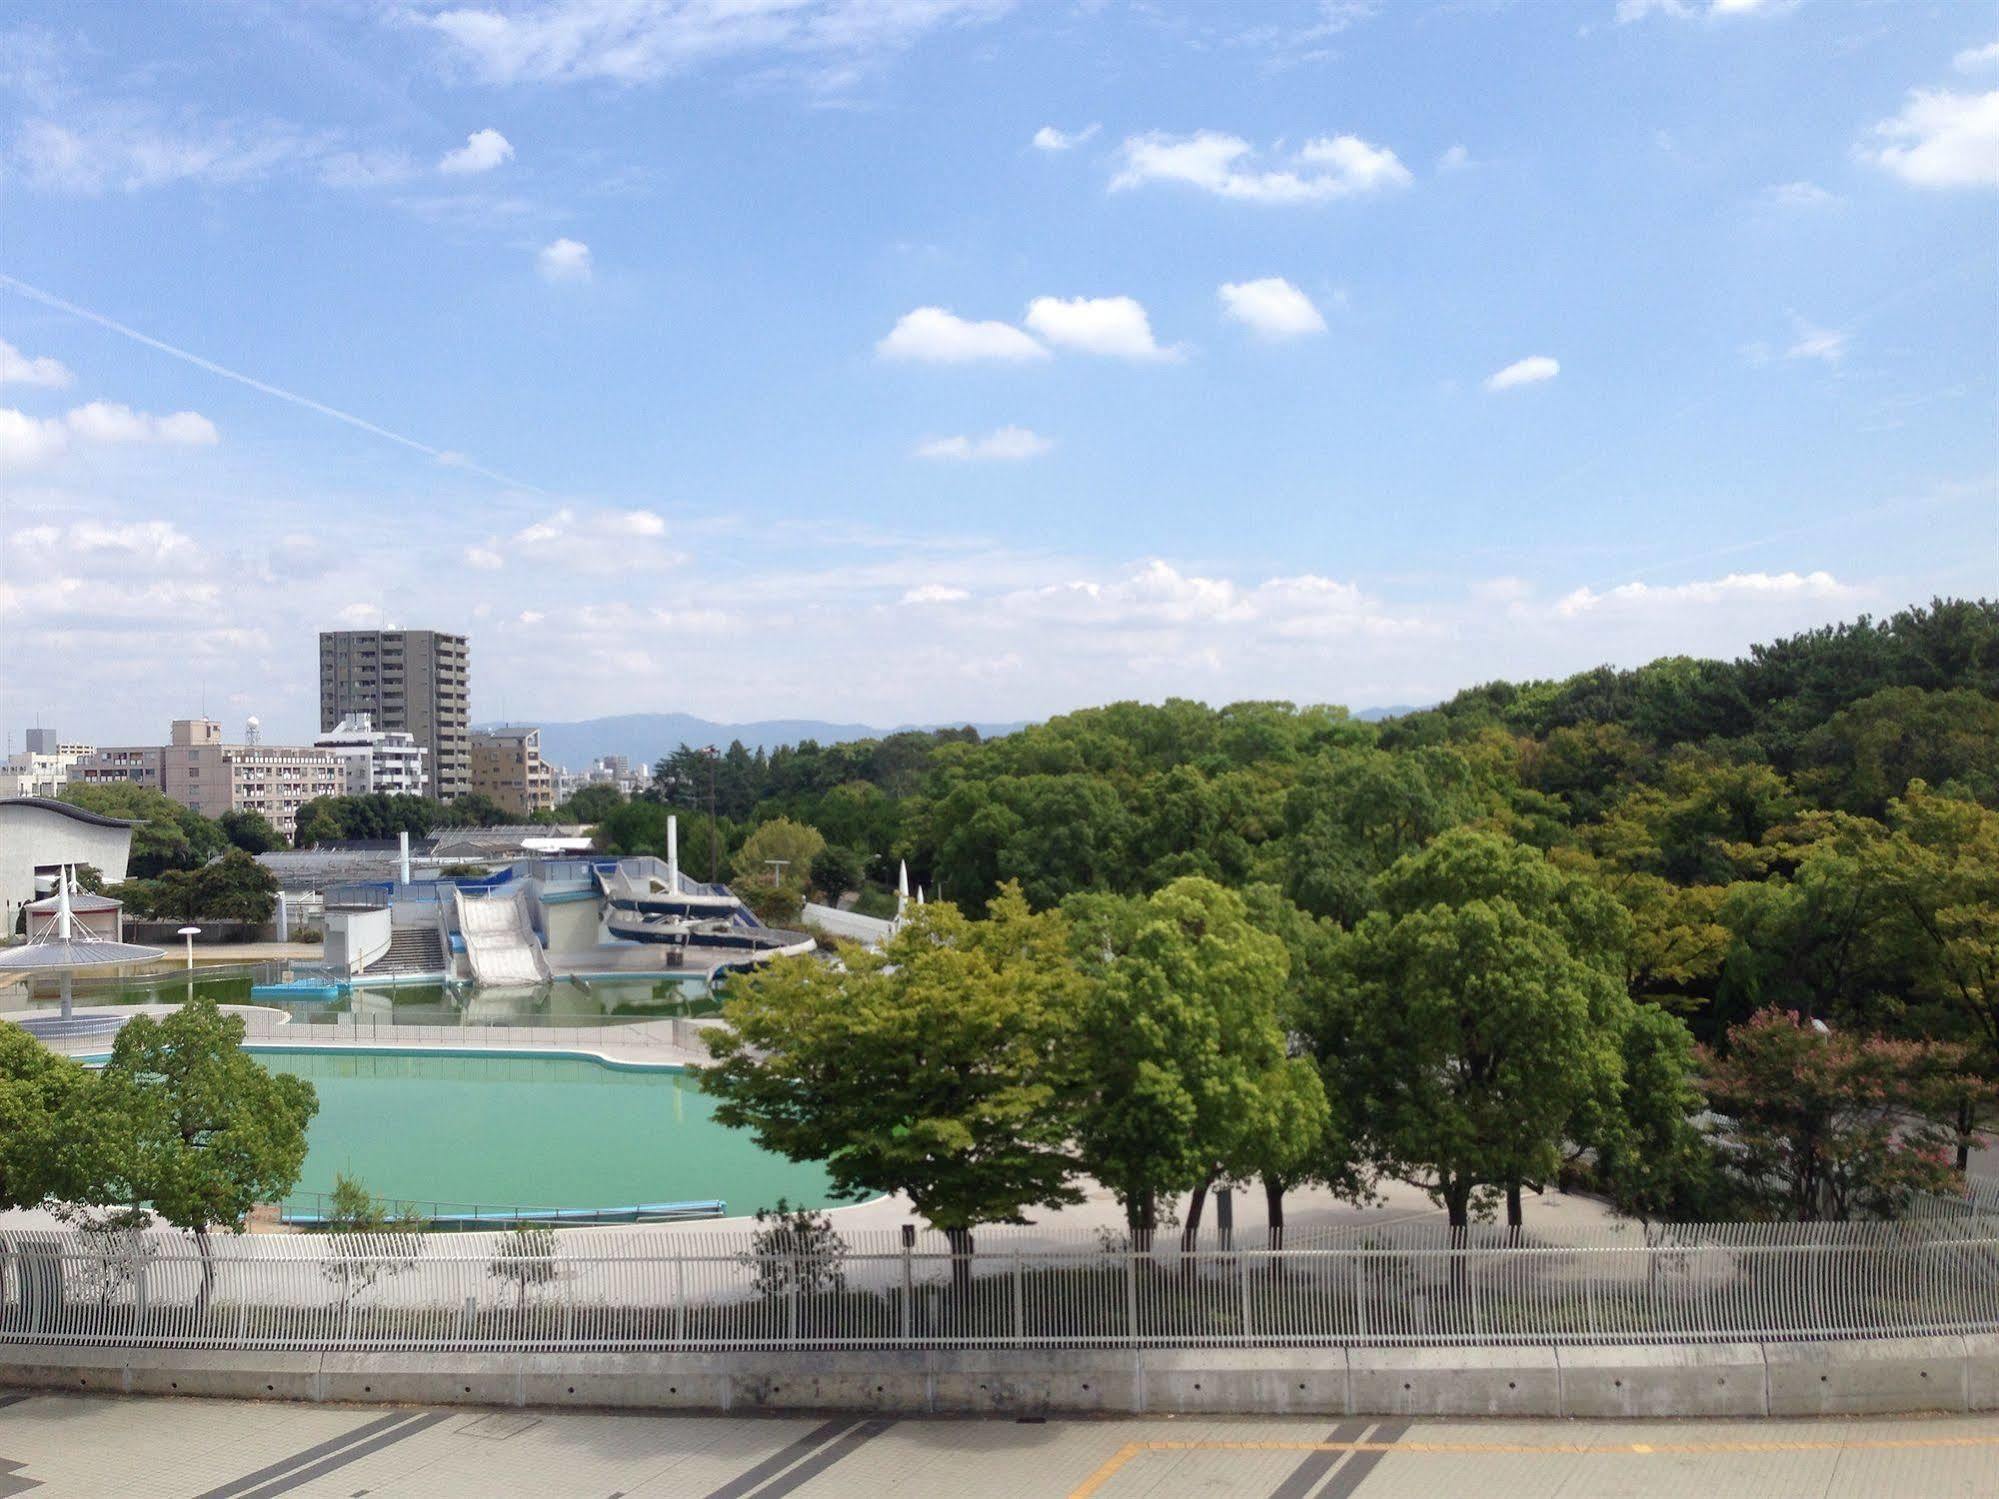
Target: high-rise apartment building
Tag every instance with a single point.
(415, 682)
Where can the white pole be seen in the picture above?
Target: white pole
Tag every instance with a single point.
(62, 905)
(403, 839)
(190, 952)
(672, 854)
(902, 888)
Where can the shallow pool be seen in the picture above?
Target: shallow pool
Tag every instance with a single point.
(502, 1131)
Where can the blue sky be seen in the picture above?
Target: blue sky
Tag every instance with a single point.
(920, 359)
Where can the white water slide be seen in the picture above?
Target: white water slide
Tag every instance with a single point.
(500, 944)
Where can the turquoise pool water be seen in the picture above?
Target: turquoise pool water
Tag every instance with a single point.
(502, 1130)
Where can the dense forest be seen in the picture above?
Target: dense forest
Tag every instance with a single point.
(1769, 884)
(1715, 799)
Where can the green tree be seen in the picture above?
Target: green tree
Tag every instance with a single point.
(368, 1240)
(1866, 755)
(935, 1067)
(51, 1140)
(207, 1133)
(169, 836)
(835, 871)
(1180, 1054)
(794, 843)
(1489, 989)
(1652, 1157)
(250, 831)
(235, 887)
(590, 804)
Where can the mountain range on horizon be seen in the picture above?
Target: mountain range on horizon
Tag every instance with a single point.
(645, 738)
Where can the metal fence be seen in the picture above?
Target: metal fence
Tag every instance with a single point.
(725, 1289)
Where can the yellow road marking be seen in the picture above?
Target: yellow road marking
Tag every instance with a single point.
(1117, 1460)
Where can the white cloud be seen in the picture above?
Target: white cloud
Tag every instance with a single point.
(596, 541)
(1453, 158)
(131, 152)
(1113, 326)
(1976, 59)
(636, 41)
(1681, 10)
(366, 168)
(1802, 195)
(1528, 371)
(29, 441)
(1272, 307)
(1048, 138)
(935, 593)
(1827, 345)
(1734, 588)
(17, 368)
(1340, 166)
(1941, 139)
(1007, 445)
(483, 150)
(106, 421)
(932, 335)
(487, 558)
(564, 260)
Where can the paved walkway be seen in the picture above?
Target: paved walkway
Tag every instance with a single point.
(85, 1446)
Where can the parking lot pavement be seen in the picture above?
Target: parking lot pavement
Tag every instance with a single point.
(53, 1446)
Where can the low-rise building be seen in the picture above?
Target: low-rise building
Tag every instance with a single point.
(377, 760)
(272, 779)
(117, 765)
(507, 768)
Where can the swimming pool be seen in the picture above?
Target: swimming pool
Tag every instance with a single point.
(506, 1130)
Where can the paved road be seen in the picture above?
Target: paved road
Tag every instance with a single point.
(56, 1446)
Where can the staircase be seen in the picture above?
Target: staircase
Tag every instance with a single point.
(412, 949)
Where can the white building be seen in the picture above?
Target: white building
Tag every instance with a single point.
(40, 769)
(388, 761)
(38, 837)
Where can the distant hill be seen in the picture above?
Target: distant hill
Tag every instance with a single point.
(645, 737)
(1376, 715)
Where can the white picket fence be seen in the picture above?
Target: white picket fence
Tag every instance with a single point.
(661, 1289)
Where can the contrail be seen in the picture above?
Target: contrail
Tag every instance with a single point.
(441, 455)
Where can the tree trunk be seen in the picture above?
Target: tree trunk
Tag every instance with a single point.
(1273, 1198)
(959, 1242)
(1457, 1202)
(1141, 1217)
(1513, 1212)
(1190, 1231)
(207, 1273)
(1967, 1123)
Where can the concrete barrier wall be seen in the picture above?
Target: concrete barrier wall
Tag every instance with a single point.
(1738, 1379)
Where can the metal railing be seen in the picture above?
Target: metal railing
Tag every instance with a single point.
(726, 1289)
(315, 1210)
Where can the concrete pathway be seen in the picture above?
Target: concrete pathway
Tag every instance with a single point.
(53, 1446)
